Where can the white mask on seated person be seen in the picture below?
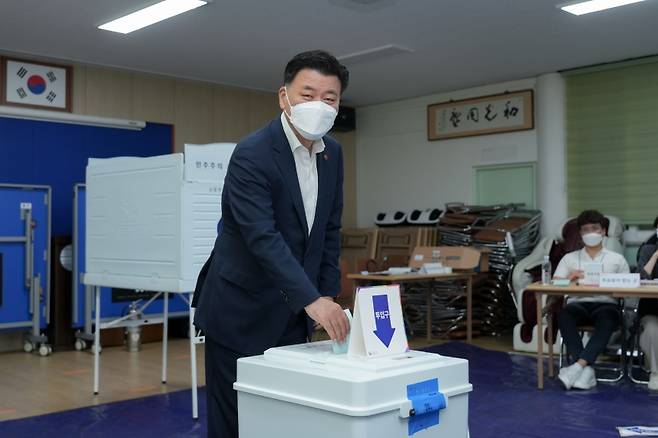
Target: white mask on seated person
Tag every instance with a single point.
(592, 239)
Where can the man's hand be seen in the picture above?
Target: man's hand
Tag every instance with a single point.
(317, 325)
(576, 274)
(330, 316)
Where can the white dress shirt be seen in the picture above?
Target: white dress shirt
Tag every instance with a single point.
(613, 263)
(307, 170)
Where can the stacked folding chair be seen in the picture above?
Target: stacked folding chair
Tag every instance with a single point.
(511, 233)
(448, 309)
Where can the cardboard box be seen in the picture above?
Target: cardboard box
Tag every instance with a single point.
(456, 257)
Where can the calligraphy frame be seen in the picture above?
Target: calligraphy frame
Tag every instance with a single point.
(434, 131)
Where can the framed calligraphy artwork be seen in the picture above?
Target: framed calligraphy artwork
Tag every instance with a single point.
(494, 114)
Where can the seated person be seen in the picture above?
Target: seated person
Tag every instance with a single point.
(648, 308)
(601, 311)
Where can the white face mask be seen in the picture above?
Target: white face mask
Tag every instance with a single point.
(311, 119)
(592, 239)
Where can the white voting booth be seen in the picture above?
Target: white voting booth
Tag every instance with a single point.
(378, 389)
(151, 223)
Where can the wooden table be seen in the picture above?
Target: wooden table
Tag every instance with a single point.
(573, 290)
(466, 276)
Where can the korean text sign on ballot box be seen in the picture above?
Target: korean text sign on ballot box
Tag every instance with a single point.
(378, 325)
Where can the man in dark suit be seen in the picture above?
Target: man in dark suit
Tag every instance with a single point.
(275, 267)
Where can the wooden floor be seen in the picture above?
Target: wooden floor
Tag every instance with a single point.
(33, 385)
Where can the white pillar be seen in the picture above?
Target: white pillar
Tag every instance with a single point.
(551, 151)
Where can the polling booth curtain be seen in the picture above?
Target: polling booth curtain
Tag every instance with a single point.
(612, 140)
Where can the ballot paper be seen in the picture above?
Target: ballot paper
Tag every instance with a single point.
(341, 347)
(638, 431)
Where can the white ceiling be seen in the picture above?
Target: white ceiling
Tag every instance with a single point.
(456, 43)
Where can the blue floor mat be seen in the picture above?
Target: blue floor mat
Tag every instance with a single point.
(161, 416)
(504, 403)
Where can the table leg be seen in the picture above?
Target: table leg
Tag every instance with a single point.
(165, 337)
(195, 402)
(97, 340)
(540, 343)
(429, 312)
(469, 309)
(551, 359)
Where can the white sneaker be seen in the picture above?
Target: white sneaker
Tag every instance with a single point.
(569, 375)
(653, 382)
(586, 380)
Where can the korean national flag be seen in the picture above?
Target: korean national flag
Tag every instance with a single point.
(34, 84)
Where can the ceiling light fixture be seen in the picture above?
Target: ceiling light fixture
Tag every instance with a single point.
(151, 15)
(587, 7)
(374, 54)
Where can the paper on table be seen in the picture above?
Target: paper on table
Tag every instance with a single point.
(638, 431)
(390, 271)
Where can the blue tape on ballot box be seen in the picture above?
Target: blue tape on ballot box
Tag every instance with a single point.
(426, 401)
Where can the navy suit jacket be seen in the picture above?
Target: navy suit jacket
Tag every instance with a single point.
(266, 267)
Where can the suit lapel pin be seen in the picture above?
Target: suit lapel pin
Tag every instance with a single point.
(326, 157)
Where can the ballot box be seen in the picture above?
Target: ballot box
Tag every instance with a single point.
(306, 390)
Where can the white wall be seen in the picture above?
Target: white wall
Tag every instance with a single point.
(397, 168)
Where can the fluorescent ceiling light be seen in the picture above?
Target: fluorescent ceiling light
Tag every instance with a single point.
(151, 15)
(587, 7)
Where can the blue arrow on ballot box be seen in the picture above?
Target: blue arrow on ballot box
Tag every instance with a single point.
(382, 319)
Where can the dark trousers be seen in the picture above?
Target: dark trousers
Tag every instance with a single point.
(604, 317)
(221, 369)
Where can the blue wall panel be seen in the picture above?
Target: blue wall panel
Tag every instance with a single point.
(56, 154)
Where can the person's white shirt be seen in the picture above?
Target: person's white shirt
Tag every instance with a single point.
(307, 170)
(612, 262)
